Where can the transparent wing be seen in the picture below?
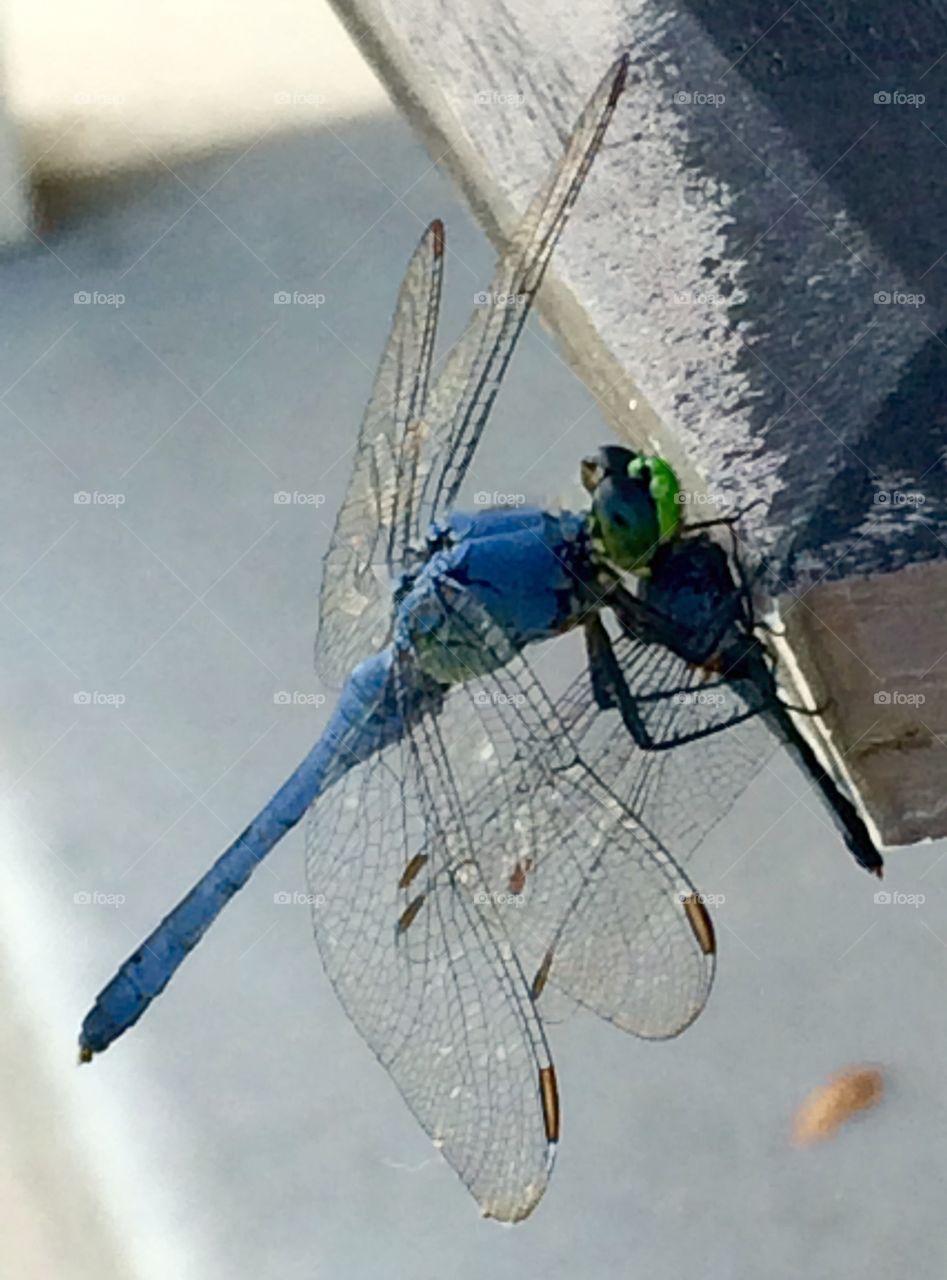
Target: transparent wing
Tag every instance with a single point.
(681, 792)
(411, 458)
(467, 386)
(427, 974)
(591, 901)
(367, 544)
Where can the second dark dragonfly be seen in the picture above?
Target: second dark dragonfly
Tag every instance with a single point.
(688, 665)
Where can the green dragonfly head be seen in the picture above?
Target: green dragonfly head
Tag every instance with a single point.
(635, 505)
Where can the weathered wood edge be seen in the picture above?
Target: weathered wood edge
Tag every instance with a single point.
(879, 755)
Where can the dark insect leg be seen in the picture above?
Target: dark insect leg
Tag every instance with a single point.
(708, 731)
(637, 618)
(729, 521)
(610, 690)
(820, 710)
(609, 687)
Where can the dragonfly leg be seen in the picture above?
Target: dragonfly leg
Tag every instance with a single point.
(609, 687)
(641, 620)
(820, 710)
(778, 632)
(707, 731)
(610, 690)
(677, 691)
(729, 521)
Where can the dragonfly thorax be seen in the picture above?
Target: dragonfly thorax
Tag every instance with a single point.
(500, 580)
(691, 584)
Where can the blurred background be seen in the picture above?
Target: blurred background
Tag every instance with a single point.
(173, 178)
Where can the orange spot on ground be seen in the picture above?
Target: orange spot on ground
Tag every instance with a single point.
(827, 1108)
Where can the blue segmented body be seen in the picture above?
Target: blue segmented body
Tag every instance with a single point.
(525, 567)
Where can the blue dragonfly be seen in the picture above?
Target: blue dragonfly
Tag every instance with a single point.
(464, 858)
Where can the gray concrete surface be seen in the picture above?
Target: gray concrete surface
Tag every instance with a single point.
(243, 1130)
